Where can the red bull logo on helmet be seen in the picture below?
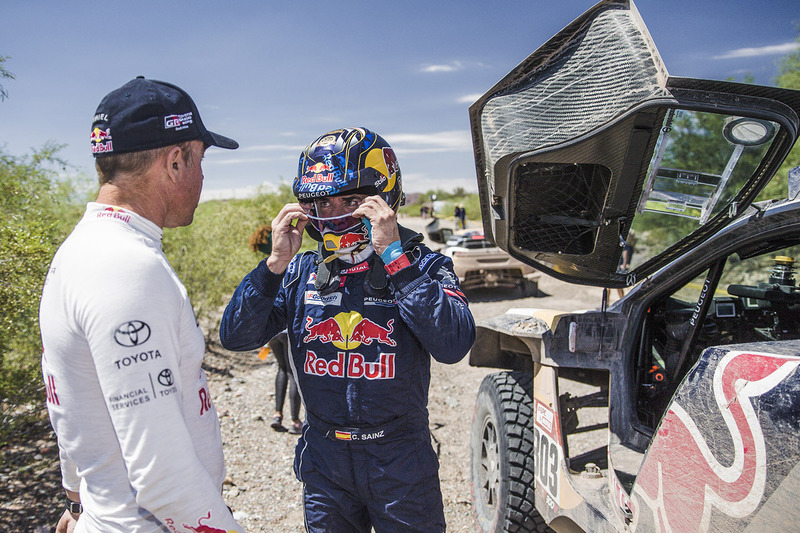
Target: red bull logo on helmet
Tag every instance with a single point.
(317, 173)
(317, 178)
(317, 168)
(384, 161)
(348, 330)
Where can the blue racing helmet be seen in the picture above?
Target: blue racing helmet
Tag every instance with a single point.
(352, 160)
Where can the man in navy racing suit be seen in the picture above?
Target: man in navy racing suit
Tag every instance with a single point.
(364, 314)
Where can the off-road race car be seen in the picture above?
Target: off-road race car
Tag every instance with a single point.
(677, 407)
(479, 264)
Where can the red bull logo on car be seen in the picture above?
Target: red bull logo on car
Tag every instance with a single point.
(347, 331)
(730, 487)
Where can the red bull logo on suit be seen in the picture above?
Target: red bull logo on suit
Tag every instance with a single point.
(353, 366)
(347, 331)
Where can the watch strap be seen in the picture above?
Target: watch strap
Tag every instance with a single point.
(74, 507)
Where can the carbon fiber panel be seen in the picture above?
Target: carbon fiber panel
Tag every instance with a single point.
(600, 74)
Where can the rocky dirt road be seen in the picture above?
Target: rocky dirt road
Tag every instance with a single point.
(261, 486)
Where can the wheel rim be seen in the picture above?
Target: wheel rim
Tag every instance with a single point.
(489, 472)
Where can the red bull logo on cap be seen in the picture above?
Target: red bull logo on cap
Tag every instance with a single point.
(347, 331)
(101, 141)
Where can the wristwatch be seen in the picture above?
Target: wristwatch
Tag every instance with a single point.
(74, 507)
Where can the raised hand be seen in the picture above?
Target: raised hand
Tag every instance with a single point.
(383, 220)
(287, 236)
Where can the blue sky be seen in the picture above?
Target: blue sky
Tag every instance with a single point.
(275, 75)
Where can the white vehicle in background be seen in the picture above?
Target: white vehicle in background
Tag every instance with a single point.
(478, 263)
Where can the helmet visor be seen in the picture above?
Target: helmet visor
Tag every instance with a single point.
(338, 223)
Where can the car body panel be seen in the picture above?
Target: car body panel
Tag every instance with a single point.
(709, 467)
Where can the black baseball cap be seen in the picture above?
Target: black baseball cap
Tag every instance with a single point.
(146, 114)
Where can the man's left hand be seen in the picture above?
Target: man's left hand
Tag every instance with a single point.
(383, 220)
(67, 522)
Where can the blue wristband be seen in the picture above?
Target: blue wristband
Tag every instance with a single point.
(392, 252)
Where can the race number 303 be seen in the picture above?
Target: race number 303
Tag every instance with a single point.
(547, 452)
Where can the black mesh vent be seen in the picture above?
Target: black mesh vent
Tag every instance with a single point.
(558, 206)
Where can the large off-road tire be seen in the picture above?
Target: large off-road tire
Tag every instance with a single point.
(501, 449)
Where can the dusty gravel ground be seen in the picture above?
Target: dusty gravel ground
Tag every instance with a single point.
(261, 487)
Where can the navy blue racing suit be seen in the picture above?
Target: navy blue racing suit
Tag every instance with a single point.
(361, 348)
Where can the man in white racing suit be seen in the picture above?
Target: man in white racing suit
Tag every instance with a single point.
(138, 436)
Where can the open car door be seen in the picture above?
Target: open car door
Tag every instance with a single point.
(589, 138)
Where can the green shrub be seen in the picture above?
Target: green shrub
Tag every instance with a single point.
(37, 211)
(213, 254)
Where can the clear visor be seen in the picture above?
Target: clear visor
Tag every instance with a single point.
(338, 223)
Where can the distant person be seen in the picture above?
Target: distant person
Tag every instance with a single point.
(261, 241)
(462, 216)
(365, 313)
(279, 345)
(138, 437)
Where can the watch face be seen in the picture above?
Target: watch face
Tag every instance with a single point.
(74, 507)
